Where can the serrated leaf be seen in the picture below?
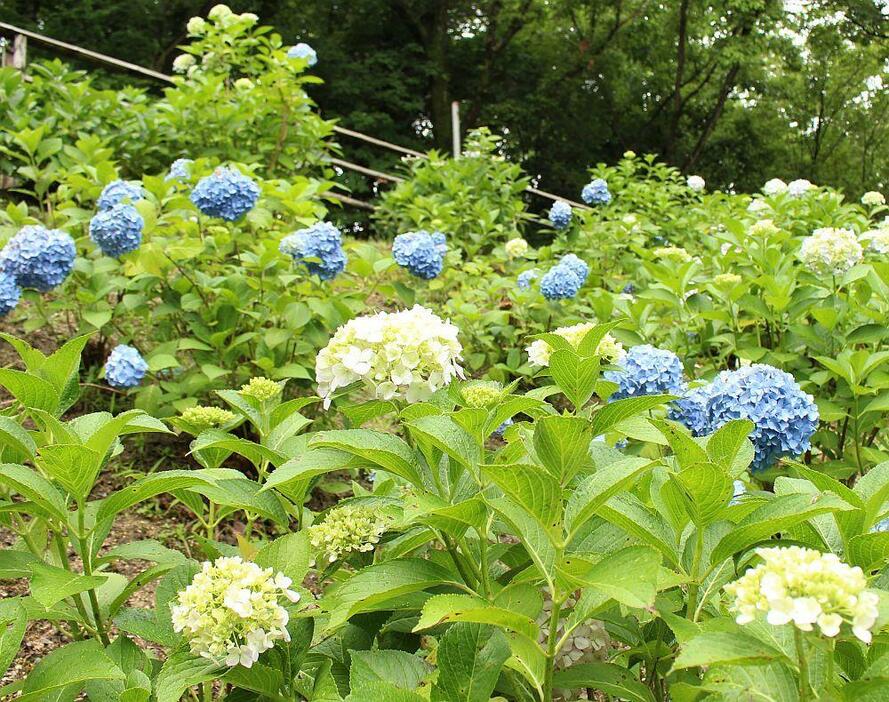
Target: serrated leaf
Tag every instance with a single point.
(448, 437)
(180, 671)
(69, 667)
(466, 608)
(50, 585)
(470, 657)
(725, 648)
(707, 490)
(628, 576)
(618, 410)
(575, 376)
(376, 448)
(536, 490)
(289, 554)
(34, 487)
(399, 668)
(611, 679)
(562, 445)
(149, 486)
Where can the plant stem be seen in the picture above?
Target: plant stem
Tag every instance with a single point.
(87, 558)
(690, 612)
(211, 522)
(552, 640)
(804, 687)
(208, 691)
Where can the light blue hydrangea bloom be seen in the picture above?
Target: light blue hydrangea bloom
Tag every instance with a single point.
(319, 248)
(560, 283)
(560, 214)
(303, 51)
(120, 191)
(125, 367)
(596, 192)
(647, 370)
(38, 257)
(180, 169)
(9, 294)
(420, 252)
(525, 278)
(578, 265)
(784, 416)
(118, 230)
(225, 193)
(503, 427)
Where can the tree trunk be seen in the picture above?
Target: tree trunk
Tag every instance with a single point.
(437, 50)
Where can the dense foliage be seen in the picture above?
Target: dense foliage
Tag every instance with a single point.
(635, 449)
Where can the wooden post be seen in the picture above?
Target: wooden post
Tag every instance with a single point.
(455, 127)
(15, 53)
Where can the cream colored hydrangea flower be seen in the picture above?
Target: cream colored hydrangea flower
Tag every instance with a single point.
(696, 183)
(408, 354)
(609, 348)
(774, 186)
(516, 247)
(763, 227)
(231, 611)
(202, 418)
(673, 253)
(873, 198)
(830, 251)
(877, 240)
(196, 26)
(346, 529)
(261, 389)
(482, 393)
(727, 280)
(183, 62)
(218, 12)
(806, 588)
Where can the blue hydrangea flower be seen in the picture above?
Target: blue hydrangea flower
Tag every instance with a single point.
(560, 283)
(420, 252)
(180, 169)
(647, 370)
(629, 289)
(578, 265)
(38, 257)
(118, 230)
(319, 248)
(596, 192)
(738, 491)
(784, 416)
(503, 427)
(9, 294)
(303, 51)
(882, 525)
(125, 367)
(226, 194)
(560, 214)
(525, 278)
(120, 191)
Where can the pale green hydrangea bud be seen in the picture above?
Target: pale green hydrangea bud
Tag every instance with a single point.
(201, 418)
(676, 254)
(727, 280)
(482, 393)
(609, 348)
(261, 389)
(183, 62)
(516, 247)
(243, 84)
(196, 26)
(808, 589)
(230, 613)
(218, 12)
(763, 228)
(346, 529)
(830, 251)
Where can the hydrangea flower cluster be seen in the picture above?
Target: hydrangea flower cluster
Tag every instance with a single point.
(798, 188)
(183, 63)
(784, 416)
(877, 240)
(303, 51)
(226, 194)
(516, 247)
(830, 251)
(180, 169)
(806, 588)
(525, 278)
(482, 393)
(774, 187)
(609, 348)
(118, 191)
(117, 230)
(763, 228)
(696, 183)
(560, 214)
(676, 254)
(261, 389)
(125, 367)
(647, 370)
(230, 613)
(727, 280)
(346, 529)
(38, 257)
(201, 418)
(9, 294)
(501, 430)
(420, 252)
(319, 248)
(872, 198)
(596, 192)
(565, 279)
(408, 354)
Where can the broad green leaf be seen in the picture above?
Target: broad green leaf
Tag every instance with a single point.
(180, 671)
(448, 437)
(454, 519)
(596, 489)
(34, 487)
(232, 489)
(376, 448)
(32, 391)
(466, 608)
(149, 486)
(629, 575)
(611, 679)
(253, 452)
(730, 448)
(575, 376)
(399, 668)
(382, 691)
(470, 657)
(50, 585)
(707, 489)
(311, 464)
(536, 490)
(12, 631)
(628, 512)
(562, 445)
(73, 466)
(725, 648)
(13, 437)
(69, 667)
(534, 538)
(289, 554)
(685, 448)
(869, 551)
(618, 410)
(257, 678)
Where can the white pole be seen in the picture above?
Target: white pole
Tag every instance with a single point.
(455, 127)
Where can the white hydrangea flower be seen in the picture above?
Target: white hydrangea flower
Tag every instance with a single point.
(218, 12)
(877, 240)
(408, 354)
(763, 227)
(673, 253)
(808, 589)
(696, 183)
(183, 62)
(516, 247)
(799, 187)
(758, 206)
(539, 351)
(830, 251)
(774, 186)
(346, 529)
(196, 26)
(873, 198)
(230, 613)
